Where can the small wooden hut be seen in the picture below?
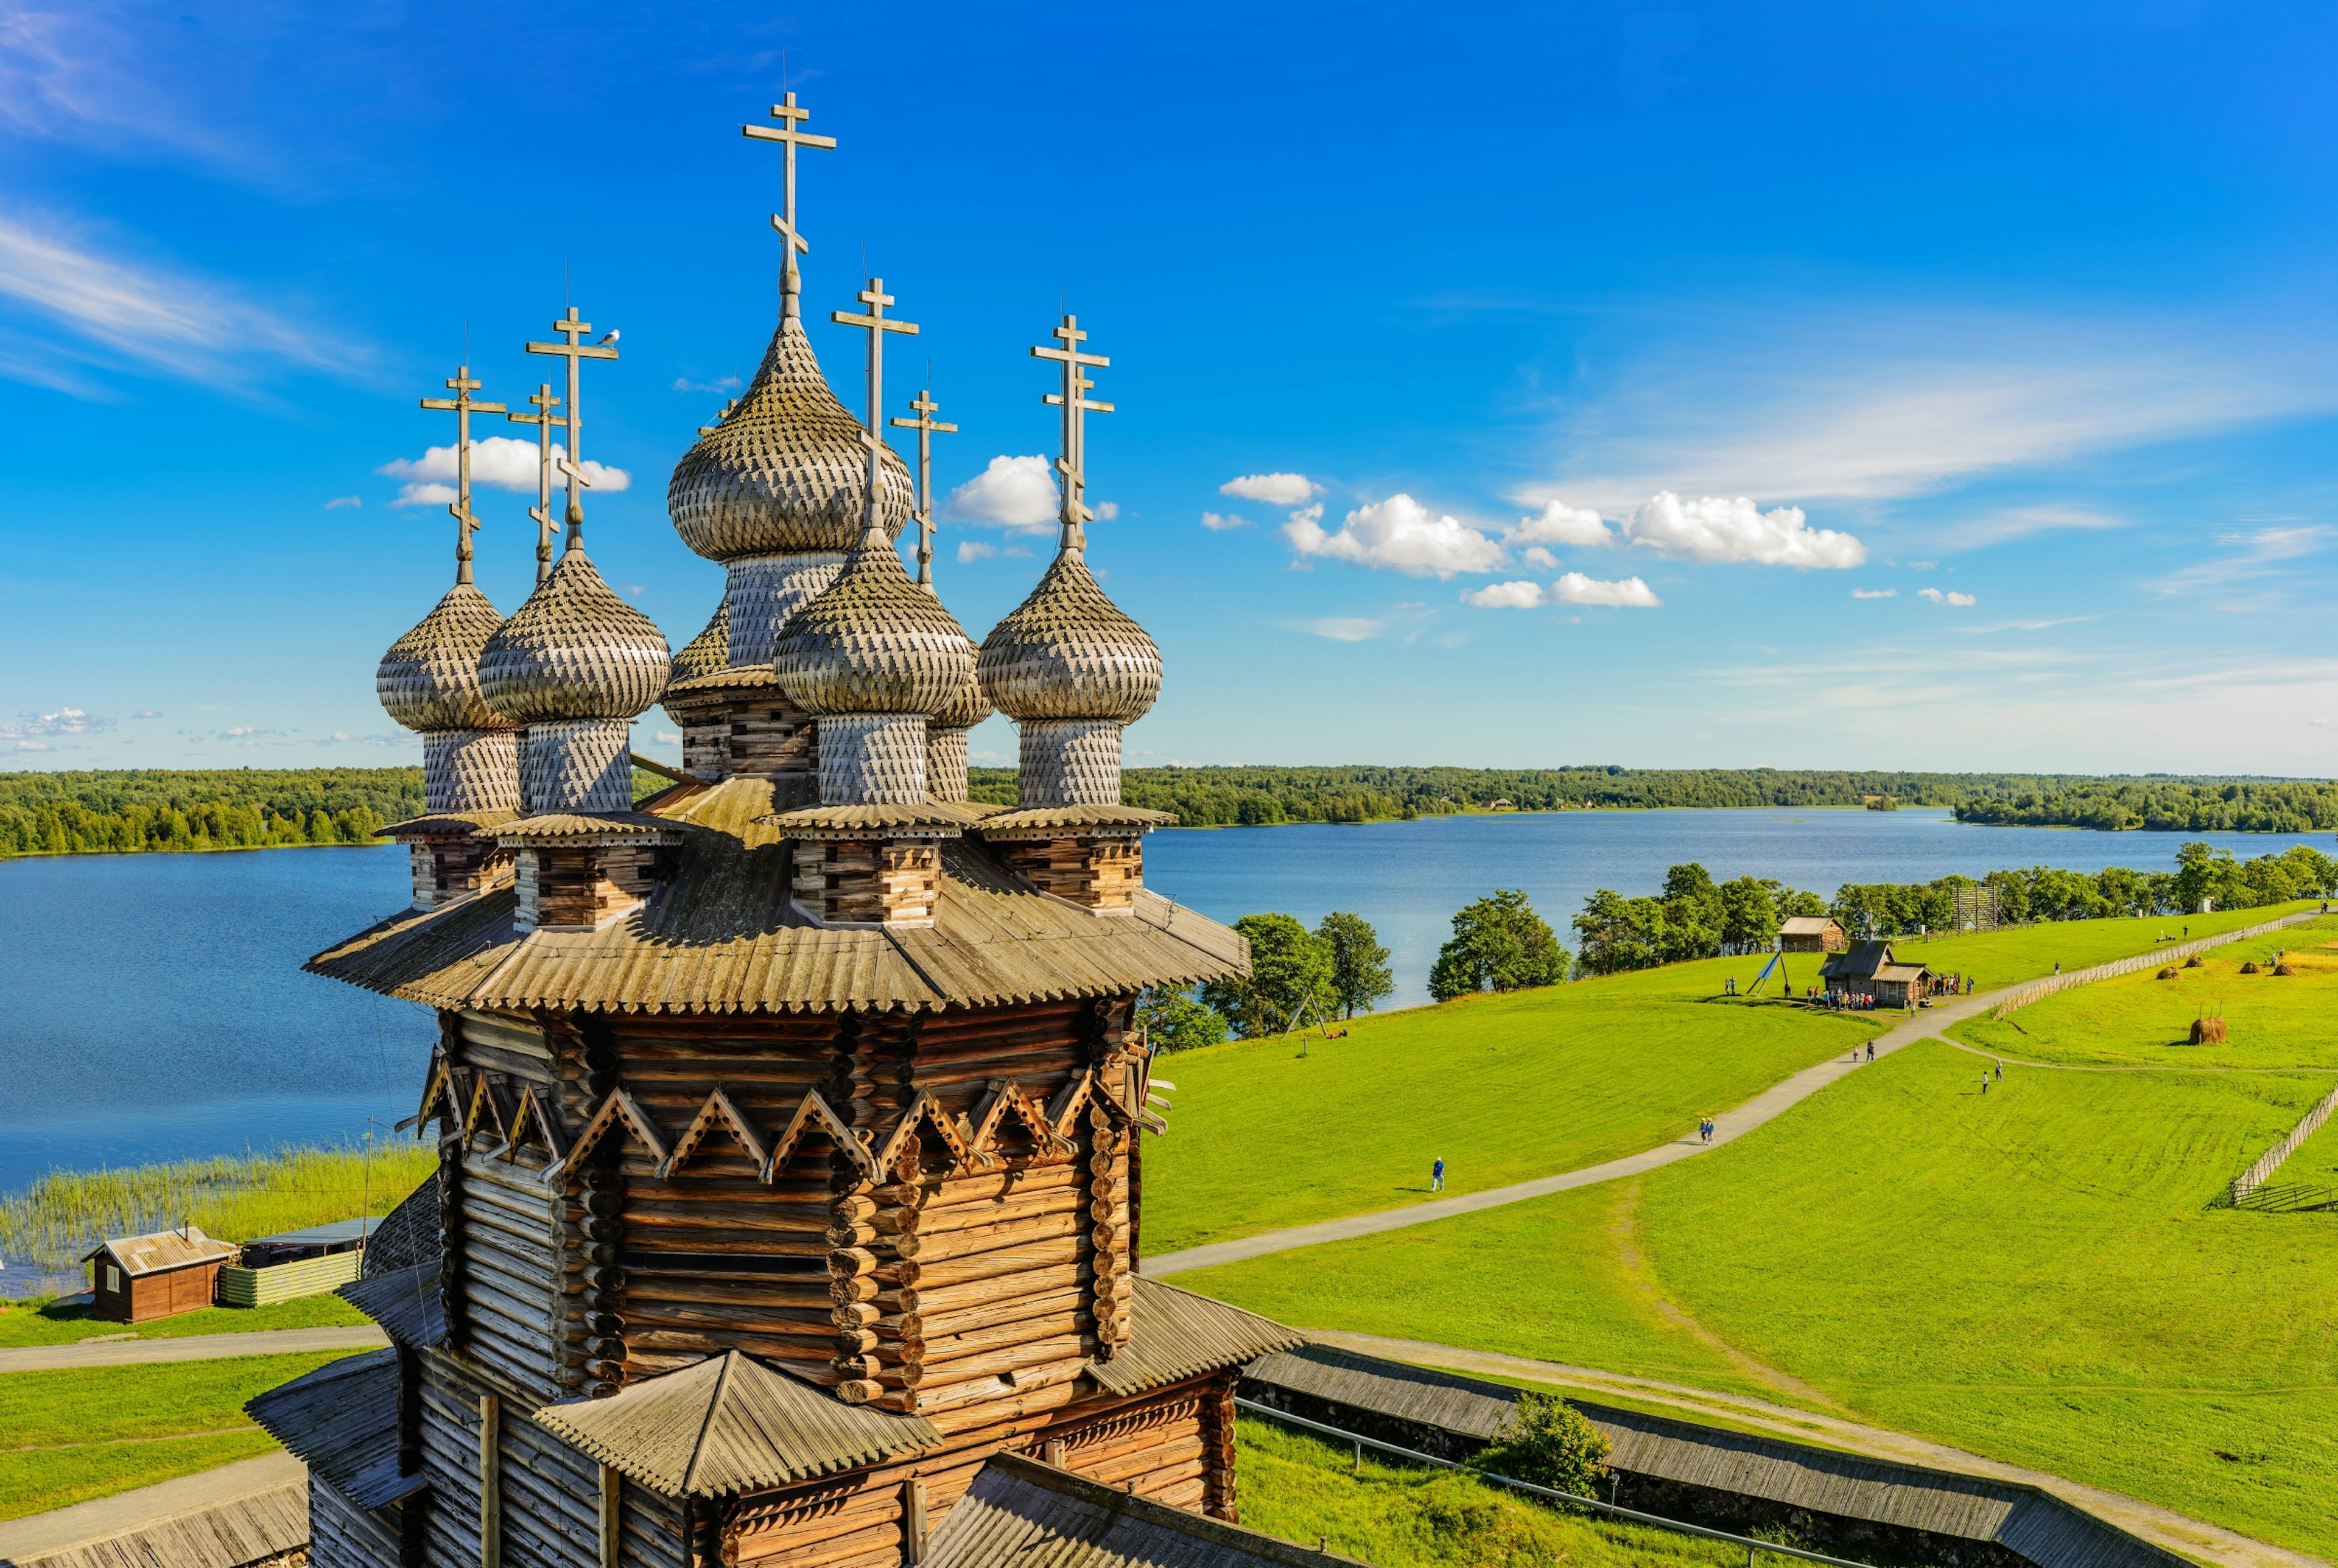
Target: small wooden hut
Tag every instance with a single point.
(1869, 969)
(1813, 933)
(137, 1279)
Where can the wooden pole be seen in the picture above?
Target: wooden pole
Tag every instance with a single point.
(491, 1501)
(913, 1520)
(612, 1496)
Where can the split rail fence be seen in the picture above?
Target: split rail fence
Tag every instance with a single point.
(2258, 1174)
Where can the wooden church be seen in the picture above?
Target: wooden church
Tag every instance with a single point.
(790, 1183)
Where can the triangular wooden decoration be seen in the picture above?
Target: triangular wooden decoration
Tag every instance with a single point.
(530, 1112)
(718, 1110)
(815, 1109)
(617, 1108)
(433, 1087)
(924, 1108)
(1065, 1106)
(1006, 1098)
(486, 1101)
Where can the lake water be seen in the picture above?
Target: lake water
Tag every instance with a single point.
(153, 1007)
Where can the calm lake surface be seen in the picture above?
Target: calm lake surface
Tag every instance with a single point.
(153, 1007)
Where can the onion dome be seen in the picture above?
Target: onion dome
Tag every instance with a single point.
(1068, 652)
(874, 642)
(785, 471)
(967, 707)
(429, 678)
(705, 654)
(574, 651)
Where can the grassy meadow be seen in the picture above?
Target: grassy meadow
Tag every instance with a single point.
(69, 1435)
(2007, 957)
(2038, 1274)
(1306, 1490)
(68, 1322)
(1505, 1088)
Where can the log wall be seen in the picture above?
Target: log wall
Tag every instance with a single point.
(343, 1535)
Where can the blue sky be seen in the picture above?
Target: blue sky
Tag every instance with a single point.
(1500, 385)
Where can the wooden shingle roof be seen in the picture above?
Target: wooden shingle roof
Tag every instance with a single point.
(722, 936)
(341, 1421)
(162, 1251)
(1022, 1511)
(730, 1424)
(1175, 1335)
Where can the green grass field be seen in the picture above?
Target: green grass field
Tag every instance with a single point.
(1504, 1088)
(66, 1437)
(2141, 1020)
(1307, 1491)
(49, 1323)
(2007, 957)
(2038, 1274)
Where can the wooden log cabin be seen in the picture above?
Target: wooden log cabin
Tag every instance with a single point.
(789, 1123)
(1813, 933)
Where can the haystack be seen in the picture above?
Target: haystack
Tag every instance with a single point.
(2195, 962)
(2250, 967)
(2170, 973)
(2283, 968)
(2208, 1031)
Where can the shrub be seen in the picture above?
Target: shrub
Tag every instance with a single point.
(1547, 1443)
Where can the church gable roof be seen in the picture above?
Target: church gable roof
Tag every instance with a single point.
(1175, 1335)
(723, 936)
(729, 1423)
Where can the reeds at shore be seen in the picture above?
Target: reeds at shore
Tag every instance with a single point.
(54, 1222)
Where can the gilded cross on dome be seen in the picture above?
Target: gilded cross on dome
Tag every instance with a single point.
(463, 406)
(925, 425)
(573, 349)
(877, 324)
(545, 421)
(792, 239)
(1071, 468)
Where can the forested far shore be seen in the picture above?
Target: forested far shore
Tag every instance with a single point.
(1264, 796)
(2167, 806)
(178, 810)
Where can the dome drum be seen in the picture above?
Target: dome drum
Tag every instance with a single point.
(471, 769)
(1069, 763)
(944, 763)
(576, 765)
(872, 760)
(762, 594)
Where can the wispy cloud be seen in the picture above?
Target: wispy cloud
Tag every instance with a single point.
(339, 502)
(1937, 596)
(1341, 628)
(1875, 593)
(1883, 403)
(81, 308)
(1273, 489)
(719, 384)
(1221, 522)
(2248, 556)
(2018, 522)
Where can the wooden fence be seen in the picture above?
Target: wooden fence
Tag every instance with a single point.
(2258, 1174)
(2038, 990)
(308, 1276)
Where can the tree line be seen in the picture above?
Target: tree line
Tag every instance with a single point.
(2166, 806)
(1265, 796)
(179, 810)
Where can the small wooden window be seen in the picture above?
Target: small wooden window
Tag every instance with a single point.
(112, 1278)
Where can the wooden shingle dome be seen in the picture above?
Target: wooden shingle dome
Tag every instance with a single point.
(574, 651)
(785, 470)
(707, 651)
(1067, 651)
(874, 642)
(429, 678)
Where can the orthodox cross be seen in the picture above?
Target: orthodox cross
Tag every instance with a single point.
(878, 323)
(571, 350)
(726, 414)
(545, 421)
(463, 406)
(790, 240)
(1072, 466)
(925, 425)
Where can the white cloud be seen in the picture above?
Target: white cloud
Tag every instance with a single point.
(1560, 523)
(1875, 593)
(1273, 489)
(1716, 529)
(497, 461)
(1399, 533)
(2018, 522)
(1218, 523)
(1013, 492)
(1877, 403)
(2255, 553)
(148, 713)
(722, 384)
(1573, 588)
(1342, 628)
(972, 549)
(1505, 596)
(338, 502)
(1630, 593)
(143, 317)
(1537, 556)
(1938, 597)
(1106, 511)
(668, 738)
(25, 733)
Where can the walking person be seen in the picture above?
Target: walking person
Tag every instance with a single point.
(1871, 1050)
(1984, 1085)
(1437, 1175)
(2000, 1071)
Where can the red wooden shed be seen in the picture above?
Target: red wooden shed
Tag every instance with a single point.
(137, 1278)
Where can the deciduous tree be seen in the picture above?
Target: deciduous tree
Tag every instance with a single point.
(1499, 943)
(1360, 975)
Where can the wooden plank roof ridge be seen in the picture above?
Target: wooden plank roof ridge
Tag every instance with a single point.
(159, 1252)
(1019, 1510)
(732, 1423)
